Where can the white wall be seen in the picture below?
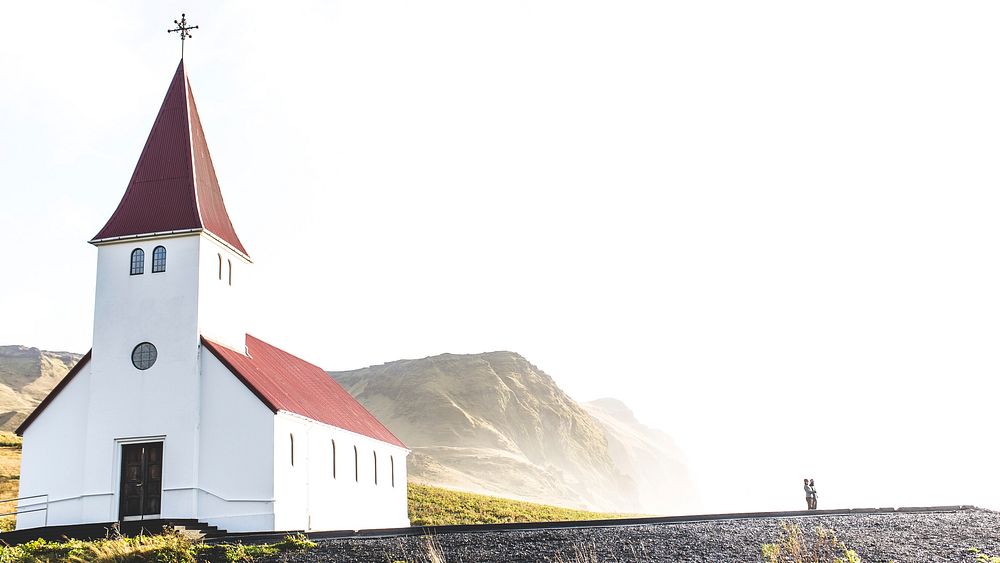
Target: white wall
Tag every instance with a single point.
(161, 402)
(222, 305)
(52, 454)
(309, 497)
(236, 483)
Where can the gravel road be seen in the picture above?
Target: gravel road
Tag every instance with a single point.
(901, 537)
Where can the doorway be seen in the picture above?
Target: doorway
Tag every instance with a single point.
(141, 484)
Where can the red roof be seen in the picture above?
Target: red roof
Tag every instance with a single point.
(284, 382)
(174, 187)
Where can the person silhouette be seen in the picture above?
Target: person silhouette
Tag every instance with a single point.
(809, 493)
(814, 497)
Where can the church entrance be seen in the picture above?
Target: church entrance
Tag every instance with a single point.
(142, 467)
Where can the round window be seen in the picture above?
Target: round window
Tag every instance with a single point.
(144, 356)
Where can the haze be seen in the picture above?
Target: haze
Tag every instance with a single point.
(770, 228)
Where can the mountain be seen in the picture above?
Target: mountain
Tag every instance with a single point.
(494, 423)
(26, 377)
(488, 423)
(649, 457)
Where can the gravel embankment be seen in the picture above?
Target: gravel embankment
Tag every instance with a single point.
(900, 537)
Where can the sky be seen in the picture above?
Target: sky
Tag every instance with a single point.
(768, 227)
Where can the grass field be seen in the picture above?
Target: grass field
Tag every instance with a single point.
(434, 506)
(10, 475)
(428, 506)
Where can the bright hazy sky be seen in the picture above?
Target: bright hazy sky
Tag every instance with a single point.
(771, 228)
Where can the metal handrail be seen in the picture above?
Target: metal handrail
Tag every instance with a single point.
(21, 510)
(22, 498)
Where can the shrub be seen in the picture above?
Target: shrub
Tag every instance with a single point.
(981, 557)
(794, 547)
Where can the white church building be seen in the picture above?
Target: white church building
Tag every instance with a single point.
(177, 413)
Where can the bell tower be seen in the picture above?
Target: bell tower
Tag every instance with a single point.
(171, 267)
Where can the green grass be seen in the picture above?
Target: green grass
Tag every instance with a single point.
(9, 440)
(434, 506)
(10, 476)
(166, 547)
(981, 557)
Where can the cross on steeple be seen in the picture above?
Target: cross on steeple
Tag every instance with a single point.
(185, 31)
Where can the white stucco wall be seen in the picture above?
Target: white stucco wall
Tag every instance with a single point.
(222, 305)
(309, 497)
(160, 403)
(236, 486)
(51, 457)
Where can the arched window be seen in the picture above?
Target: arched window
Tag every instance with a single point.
(333, 444)
(220, 267)
(375, 465)
(159, 259)
(230, 271)
(355, 464)
(138, 261)
(392, 470)
(291, 449)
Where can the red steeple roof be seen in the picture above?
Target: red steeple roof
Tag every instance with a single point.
(174, 187)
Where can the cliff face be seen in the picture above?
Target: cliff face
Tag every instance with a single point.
(26, 377)
(648, 456)
(496, 424)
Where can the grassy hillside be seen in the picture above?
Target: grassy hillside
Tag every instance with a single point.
(434, 506)
(10, 474)
(429, 506)
(497, 424)
(26, 377)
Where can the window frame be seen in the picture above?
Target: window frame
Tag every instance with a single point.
(133, 270)
(159, 261)
(149, 354)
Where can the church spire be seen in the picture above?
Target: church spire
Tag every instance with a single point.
(173, 188)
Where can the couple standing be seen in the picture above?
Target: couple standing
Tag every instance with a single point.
(810, 486)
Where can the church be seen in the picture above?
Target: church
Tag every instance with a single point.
(176, 413)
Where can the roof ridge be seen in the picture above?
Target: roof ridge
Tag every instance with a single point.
(194, 169)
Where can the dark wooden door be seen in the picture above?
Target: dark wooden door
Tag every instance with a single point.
(142, 467)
